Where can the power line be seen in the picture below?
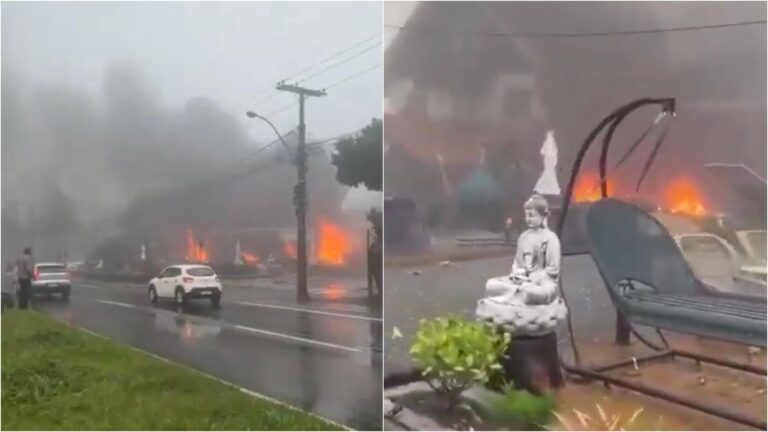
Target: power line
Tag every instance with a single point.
(279, 110)
(256, 168)
(266, 99)
(334, 138)
(265, 147)
(340, 62)
(332, 57)
(355, 75)
(532, 35)
(338, 53)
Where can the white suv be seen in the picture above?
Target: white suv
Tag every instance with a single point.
(183, 282)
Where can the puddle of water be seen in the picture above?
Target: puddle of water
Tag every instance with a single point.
(187, 330)
(333, 291)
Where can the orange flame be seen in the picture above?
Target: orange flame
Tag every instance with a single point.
(289, 248)
(333, 244)
(683, 196)
(250, 258)
(196, 251)
(587, 188)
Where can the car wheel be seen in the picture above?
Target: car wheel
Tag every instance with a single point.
(153, 295)
(179, 297)
(216, 301)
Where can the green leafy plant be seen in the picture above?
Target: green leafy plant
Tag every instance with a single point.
(521, 407)
(455, 353)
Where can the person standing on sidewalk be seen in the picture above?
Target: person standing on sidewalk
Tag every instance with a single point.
(25, 271)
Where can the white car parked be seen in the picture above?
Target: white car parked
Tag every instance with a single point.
(184, 282)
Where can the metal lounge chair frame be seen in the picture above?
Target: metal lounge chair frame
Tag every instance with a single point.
(629, 289)
(651, 284)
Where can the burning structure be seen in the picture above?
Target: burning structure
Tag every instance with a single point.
(224, 222)
(466, 112)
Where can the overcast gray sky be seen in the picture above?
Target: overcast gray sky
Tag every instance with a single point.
(225, 51)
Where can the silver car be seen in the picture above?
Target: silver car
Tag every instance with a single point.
(51, 278)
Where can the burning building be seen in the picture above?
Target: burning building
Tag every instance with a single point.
(463, 94)
(241, 220)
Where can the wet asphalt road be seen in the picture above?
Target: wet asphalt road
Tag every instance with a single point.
(431, 291)
(324, 357)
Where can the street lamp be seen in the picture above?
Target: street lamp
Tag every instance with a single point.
(252, 114)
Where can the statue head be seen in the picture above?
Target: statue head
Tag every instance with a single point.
(536, 211)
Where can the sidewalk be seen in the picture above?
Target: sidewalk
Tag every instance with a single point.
(433, 290)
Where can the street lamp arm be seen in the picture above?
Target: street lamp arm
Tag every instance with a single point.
(252, 114)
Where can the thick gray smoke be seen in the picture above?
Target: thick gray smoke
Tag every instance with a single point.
(457, 86)
(77, 168)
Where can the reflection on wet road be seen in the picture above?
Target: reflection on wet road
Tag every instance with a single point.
(322, 359)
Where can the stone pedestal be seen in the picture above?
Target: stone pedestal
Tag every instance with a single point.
(532, 363)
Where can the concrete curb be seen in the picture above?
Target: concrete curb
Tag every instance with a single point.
(402, 378)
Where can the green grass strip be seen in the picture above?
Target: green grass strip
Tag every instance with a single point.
(56, 377)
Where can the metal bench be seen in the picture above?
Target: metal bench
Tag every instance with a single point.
(651, 284)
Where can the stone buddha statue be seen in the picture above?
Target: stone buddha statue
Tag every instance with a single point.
(526, 302)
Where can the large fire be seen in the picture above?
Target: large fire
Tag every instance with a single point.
(681, 195)
(196, 251)
(250, 258)
(587, 188)
(333, 245)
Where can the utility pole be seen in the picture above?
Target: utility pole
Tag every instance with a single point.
(300, 192)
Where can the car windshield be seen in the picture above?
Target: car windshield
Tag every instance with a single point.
(52, 269)
(200, 271)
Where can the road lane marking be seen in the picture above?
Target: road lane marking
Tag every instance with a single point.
(239, 327)
(128, 305)
(82, 285)
(296, 338)
(314, 311)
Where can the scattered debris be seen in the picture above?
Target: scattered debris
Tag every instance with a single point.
(396, 333)
(633, 372)
(391, 409)
(702, 381)
(761, 391)
(445, 263)
(416, 272)
(754, 351)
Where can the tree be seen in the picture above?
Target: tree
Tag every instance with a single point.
(358, 159)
